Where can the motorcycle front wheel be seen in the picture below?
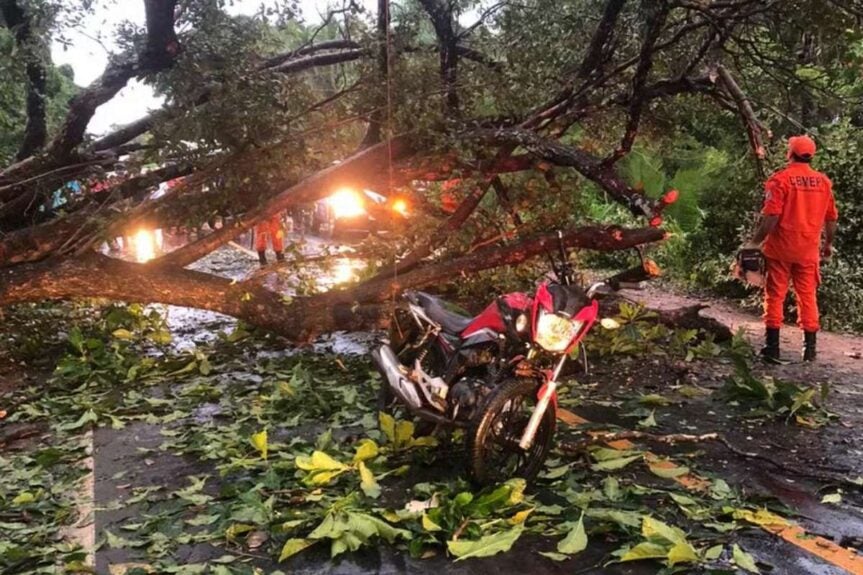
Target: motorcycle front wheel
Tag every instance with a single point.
(494, 454)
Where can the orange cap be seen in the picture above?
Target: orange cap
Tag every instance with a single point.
(801, 146)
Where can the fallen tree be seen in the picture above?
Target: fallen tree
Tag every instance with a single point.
(360, 307)
(255, 133)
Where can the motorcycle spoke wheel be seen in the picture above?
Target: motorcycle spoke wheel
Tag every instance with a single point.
(493, 441)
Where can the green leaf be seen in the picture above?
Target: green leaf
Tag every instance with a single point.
(485, 546)
(683, 500)
(319, 461)
(554, 556)
(87, 417)
(24, 498)
(259, 442)
(667, 472)
(367, 481)
(575, 541)
(557, 472)
(606, 453)
(762, 517)
(236, 529)
(619, 516)
(427, 441)
(404, 432)
(366, 449)
(388, 426)
(649, 421)
(744, 560)
(429, 525)
(294, 546)
(506, 495)
(611, 488)
(122, 334)
(654, 399)
(802, 399)
(204, 366)
(682, 552)
(713, 553)
(614, 464)
(654, 529)
(202, 520)
(520, 517)
(118, 542)
(645, 550)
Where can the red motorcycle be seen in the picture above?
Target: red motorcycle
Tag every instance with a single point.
(496, 374)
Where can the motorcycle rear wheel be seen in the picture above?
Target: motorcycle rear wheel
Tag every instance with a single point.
(492, 441)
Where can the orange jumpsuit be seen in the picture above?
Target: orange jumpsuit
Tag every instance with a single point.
(803, 200)
(270, 230)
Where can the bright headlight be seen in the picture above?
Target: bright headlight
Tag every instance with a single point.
(347, 204)
(554, 333)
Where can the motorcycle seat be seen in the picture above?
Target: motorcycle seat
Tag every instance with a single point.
(451, 322)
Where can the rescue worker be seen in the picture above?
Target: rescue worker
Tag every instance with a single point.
(798, 209)
(271, 230)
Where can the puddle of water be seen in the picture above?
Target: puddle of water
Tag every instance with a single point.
(206, 412)
(340, 271)
(190, 327)
(346, 343)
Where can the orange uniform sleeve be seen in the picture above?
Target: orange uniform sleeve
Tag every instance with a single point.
(832, 214)
(774, 197)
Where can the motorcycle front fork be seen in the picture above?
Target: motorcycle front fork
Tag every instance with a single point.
(546, 394)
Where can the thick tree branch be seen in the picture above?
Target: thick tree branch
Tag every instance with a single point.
(373, 132)
(161, 48)
(657, 14)
(96, 275)
(35, 55)
(586, 164)
(442, 234)
(49, 239)
(440, 13)
(598, 238)
(505, 200)
(597, 51)
(747, 114)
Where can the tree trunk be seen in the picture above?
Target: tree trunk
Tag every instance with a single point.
(359, 307)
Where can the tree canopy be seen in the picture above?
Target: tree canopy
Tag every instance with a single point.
(534, 114)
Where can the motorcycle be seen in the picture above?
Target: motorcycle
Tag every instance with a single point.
(494, 375)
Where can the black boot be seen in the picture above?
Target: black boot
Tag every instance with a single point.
(262, 257)
(809, 338)
(770, 351)
(280, 256)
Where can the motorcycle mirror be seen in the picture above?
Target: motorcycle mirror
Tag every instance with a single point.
(609, 323)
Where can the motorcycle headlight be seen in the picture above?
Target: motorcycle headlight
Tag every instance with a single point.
(554, 333)
(521, 323)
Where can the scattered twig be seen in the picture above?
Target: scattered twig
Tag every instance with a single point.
(458, 532)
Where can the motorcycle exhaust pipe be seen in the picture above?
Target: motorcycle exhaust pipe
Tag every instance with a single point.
(395, 375)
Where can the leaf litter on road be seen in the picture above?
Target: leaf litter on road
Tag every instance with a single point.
(298, 456)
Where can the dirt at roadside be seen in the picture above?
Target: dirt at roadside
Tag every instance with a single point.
(838, 353)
